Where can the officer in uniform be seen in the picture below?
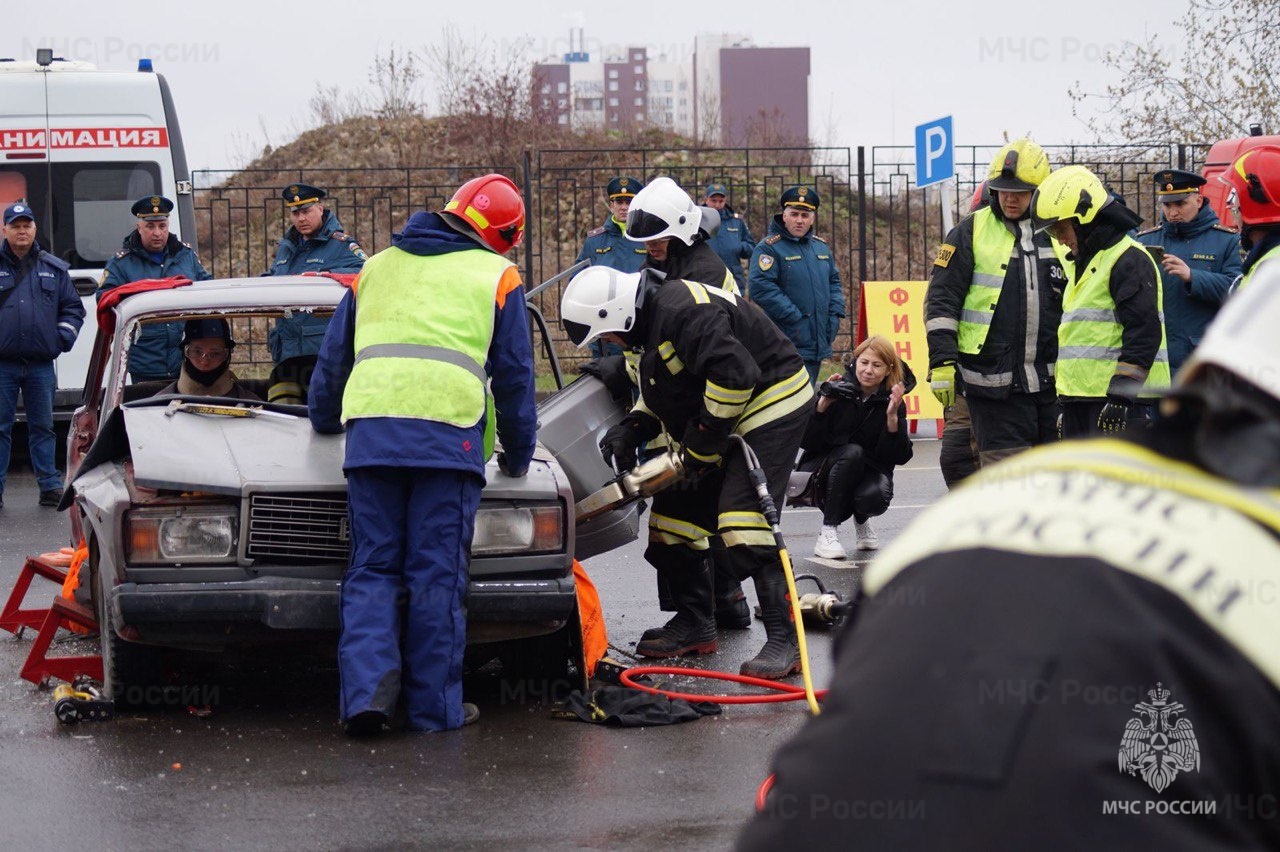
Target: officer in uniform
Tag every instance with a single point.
(315, 242)
(1111, 343)
(1254, 179)
(1096, 664)
(992, 310)
(150, 251)
(426, 355)
(608, 245)
(1201, 259)
(713, 366)
(793, 278)
(733, 240)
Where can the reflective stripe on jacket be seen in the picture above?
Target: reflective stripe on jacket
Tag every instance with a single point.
(1090, 336)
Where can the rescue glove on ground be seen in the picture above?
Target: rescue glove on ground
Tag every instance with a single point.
(702, 449)
(612, 370)
(619, 445)
(505, 467)
(942, 381)
(1113, 417)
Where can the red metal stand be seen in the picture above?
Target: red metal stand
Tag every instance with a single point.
(12, 617)
(40, 667)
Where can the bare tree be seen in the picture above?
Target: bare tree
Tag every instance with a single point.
(394, 77)
(1223, 74)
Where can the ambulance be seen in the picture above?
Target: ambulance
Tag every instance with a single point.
(80, 145)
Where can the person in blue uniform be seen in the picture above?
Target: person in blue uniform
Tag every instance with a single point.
(151, 251)
(608, 245)
(315, 242)
(40, 317)
(733, 241)
(425, 356)
(1201, 258)
(794, 279)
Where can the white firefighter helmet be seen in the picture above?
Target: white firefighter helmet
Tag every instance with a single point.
(1242, 338)
(663, 209)
(599, 300)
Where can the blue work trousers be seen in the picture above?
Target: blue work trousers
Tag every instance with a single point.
(404, 620)
(36, 381)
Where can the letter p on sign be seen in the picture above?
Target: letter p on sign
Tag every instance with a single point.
(935, 152)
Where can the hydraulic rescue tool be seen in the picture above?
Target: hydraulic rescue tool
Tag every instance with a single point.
(81, 701)
(644, 480)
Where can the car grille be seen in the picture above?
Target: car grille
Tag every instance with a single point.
(296, 528)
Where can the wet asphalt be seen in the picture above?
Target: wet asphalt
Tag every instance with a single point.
(251, 755)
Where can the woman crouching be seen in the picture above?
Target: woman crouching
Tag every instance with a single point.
(858, 434)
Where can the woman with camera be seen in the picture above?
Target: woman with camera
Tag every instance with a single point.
(858, 434)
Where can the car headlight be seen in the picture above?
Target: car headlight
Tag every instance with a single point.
(172, 535)
(518, 529)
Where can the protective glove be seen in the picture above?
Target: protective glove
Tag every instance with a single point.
(612, 370)
(513, 472)
(619, 444)
(942, 381)
(1114, 416)
(702, 450)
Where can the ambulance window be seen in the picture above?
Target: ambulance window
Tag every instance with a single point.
(13, 187)
(101, 197)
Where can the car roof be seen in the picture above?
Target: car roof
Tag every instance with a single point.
(234, 294)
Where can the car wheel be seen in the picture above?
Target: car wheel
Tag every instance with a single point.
(130, 672)
(552, 659)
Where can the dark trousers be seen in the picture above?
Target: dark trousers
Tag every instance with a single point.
(958, 456)
(851, 487)
(1003, 427)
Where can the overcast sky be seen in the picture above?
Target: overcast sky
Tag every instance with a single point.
(242, 72)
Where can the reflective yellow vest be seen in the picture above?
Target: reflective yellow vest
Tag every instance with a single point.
(422, 334)
(1273, 256)
(1090, 335)
(992, 248)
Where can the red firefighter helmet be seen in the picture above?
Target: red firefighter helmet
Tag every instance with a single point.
(1255, 182)
(491, 207)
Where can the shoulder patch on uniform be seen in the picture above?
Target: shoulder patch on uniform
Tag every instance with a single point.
(355, 249)
(945, 251)
(338, 235)
(1148, 231)
(595, 232)
(818, 238)
(122, 253)
(772, 238)
(1218, 226)
(766, 261)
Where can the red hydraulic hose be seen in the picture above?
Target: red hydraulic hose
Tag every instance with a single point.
(785, 691)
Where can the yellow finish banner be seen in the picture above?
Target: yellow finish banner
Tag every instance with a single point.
(895, 310)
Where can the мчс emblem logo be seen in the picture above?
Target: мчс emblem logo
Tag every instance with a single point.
(1159, 743)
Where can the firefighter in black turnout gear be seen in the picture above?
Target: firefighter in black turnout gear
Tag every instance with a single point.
(992, 312)
(713, 365)
(1076, 648)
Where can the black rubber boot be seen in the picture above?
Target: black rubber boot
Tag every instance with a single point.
(732, 612)
(693, 629)
(780, 656)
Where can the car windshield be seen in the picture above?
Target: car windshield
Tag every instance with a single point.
(263, 353)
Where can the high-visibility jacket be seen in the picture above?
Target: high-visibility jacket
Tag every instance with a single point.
(404, 344)
(993, 305)
(1273, 256)
(1090, 336)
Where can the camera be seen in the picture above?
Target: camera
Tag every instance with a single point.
(840, 388)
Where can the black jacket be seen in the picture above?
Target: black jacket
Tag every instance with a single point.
(862, 422)
(697, 262)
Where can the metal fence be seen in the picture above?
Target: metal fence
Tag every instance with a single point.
(880, 227)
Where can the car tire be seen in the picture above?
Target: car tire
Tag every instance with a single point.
(130, 672)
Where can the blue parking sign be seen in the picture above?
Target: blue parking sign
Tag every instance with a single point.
(935, 152)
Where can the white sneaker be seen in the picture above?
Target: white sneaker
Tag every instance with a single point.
(829, 546)
(867, 538)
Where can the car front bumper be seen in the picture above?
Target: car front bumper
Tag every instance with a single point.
(212, 615)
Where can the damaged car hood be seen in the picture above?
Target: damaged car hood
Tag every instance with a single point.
(225, 454)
